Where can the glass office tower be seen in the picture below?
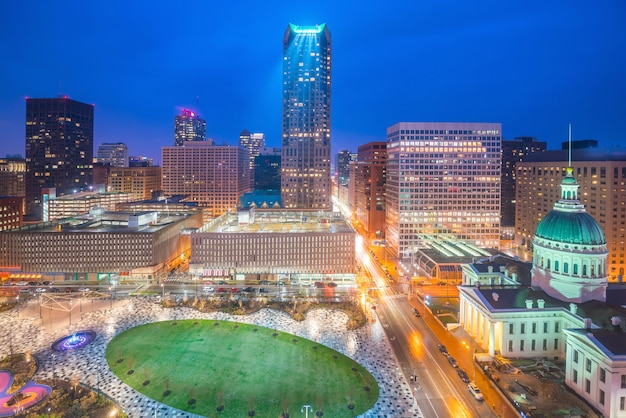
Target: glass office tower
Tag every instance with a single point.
(305, 179)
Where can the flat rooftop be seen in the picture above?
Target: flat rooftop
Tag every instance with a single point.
(279, 222)
(115, 222)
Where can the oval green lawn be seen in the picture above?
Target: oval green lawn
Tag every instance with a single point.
(241, 367)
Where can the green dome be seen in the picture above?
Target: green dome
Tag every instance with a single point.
(570, 227)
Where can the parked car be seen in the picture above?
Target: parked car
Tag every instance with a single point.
(464, 377)
(331, 284)
(84, 289)
(248, 289)
(234, 290)
(478, 395)
(319, 285)
(40, 290)
(208, 289)
(263, 290)
(416, 312)
(47, 283)
(54, 290)
(442, 348)
(452, 362)
(221, 290)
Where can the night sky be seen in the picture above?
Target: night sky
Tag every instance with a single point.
(534, 66)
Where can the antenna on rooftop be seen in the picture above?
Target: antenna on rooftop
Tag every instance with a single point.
(569, 155)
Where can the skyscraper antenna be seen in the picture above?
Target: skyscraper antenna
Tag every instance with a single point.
(569, 155)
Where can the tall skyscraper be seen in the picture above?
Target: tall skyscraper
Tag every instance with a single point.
(344, 158)
(59, 148)
(267, 169)
(113, 154)
(513, 152)
(188, 126)
(369, 177)
(305, 179)
(253, 142)
(442, 179)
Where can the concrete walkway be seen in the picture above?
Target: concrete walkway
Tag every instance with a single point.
(35, 330)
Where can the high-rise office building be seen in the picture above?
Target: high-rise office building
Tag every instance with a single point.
(305, 179)
(113, 154)
(443, 179)
(601, 174)
(188, 126)
(514, 151)
(344, 158)
(253, 142)
(213, 176)
(369, 171)
(59, 148)
(267, 169)
(142, 182)
(12, 173)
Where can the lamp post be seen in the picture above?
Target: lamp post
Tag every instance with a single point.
(306, 409)
(53, 371)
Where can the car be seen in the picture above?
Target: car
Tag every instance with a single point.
(478, 395)
(33, 283)
(442, 348)
(463, 375)
(234, 290)
(331, 284)
(319, 285)
(265, 282)
(54, 290)
(47, 283)
(248, 289)
(221, 290)
(221, 282)
(40, 290)
(453, 362)
(416, 312)
(208, 289)
(263, 290)
(281, 283)
(21, 283)
(84, 289)
(68, 290)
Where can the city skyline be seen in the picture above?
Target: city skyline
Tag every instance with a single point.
(532, 67)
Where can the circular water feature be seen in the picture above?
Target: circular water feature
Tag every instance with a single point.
(74, 341)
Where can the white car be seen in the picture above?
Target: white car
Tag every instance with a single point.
(208, 289)
(40, 290)
(478, 395)
(84, 289)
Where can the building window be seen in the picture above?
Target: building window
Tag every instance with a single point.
(575, 356)
(511, 350)
(575, 376)
(588, 365)
(521, 345)
(545, 344)
(601, 397)
(565, 268)
(622, 403)
(556, 327)
(602, 375)
(624, 381)
(545, 327)
(532, 345)
(587, 386)
(511, 329)
(523, 329)
(556, 343)
(534, 328)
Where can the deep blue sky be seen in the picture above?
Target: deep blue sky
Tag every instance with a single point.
(534, 66)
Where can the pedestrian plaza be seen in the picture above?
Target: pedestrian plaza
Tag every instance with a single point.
(34, 331)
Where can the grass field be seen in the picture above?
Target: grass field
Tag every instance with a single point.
(206, 364)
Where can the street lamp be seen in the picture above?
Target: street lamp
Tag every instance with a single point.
(53, 371)
(305, 409)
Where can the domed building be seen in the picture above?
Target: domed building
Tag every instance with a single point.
(560, 312)
(569, 250)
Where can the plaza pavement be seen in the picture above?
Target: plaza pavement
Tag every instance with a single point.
(32, 332)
